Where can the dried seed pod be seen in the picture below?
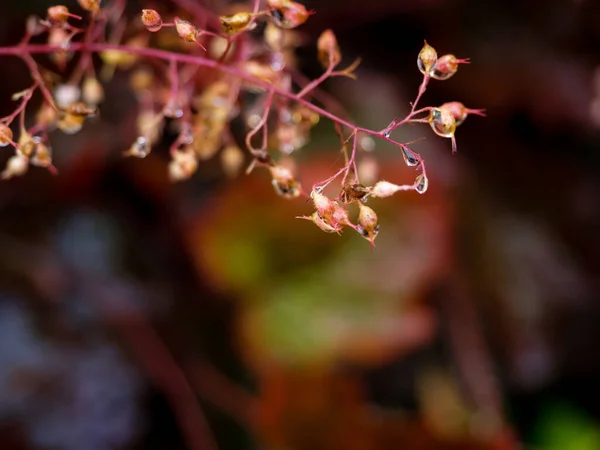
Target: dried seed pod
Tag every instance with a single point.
(6, 135)
(27, 144)
(42, 156)
(328, 50)
(16, 166)
(320, 222)
(289, 14)
(151, 20)
(90, 5)
(352, 192)
(368, 224)
(235, 23)
(426, 59)
(384, 189)
(446, 66)
(460, 111)
(284, 182)
(59, 14)
(185, 30)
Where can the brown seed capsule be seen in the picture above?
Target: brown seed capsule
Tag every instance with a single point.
(235, 23)
(185, 30)
(446, 66)
(352, 192)
(151, 20)
(328, 50)
(6, 135)
(321, 223)
(426, 59)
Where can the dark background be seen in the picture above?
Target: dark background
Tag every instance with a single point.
(132, 309)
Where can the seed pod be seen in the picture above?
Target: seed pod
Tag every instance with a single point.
(352, 192)
(368, 224)
(446, 66)
(27, 144)
(59, 14)
(183, 165)
(16, 166)
(289, 14)
(235, 23)
(384, 189)
(151, 20)
(426, 59)
(185, 30)
(460, 111)
(6, 135)
(42, 156)
(284, 182)
(443, 124)
(328, 50)
(90, 5)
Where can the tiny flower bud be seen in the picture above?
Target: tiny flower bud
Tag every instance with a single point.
(151, 20)
(421, 183)
(368, 225)
(185, 30)
(6, 135)
(446, 66)
(384, 189)
(59, 14)
(328, 49)
(284, 182)
(16, 166)
(90, 5)
(426, 59)
(290, 14)
(236, 22)
(92, 91)
(460, 111)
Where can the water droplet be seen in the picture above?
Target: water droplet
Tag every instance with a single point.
(421, 183)
(386, 133)
(409, 158)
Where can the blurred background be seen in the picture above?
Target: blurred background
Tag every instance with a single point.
(140, 314)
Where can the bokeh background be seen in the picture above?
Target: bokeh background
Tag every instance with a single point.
(138, 314)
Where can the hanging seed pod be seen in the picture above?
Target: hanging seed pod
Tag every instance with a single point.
(328, 50)
(70, 123)
(151, 20)
(185, 30)
(426, 59)
(139, 149)
(289, 14)
(235, 23)
(6, 135)
(460, 111)
(284, 182)
(446, 66)
(16, 166)
(353, 192)
(368, 224)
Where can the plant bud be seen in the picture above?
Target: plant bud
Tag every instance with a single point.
(90, 5)
(426, 59)
(289, 14)
(151, 20)
(460, 111)
(16, 166)
(185, 30)
(6, 135)
(328, 50)
(235, 23)
(284, 182)
(446, 66)
(384, 189)
(368, 225)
